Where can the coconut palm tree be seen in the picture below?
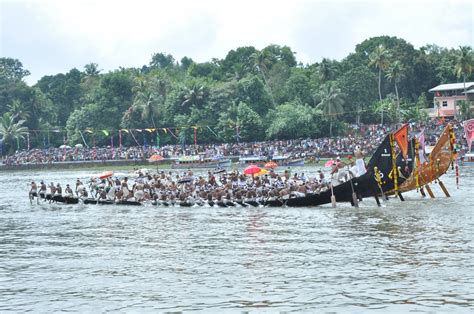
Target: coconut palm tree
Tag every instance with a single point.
(331, 101)
(262, 62)
(145, 100)
(379, 58)
(325, 70)
(193, 96)
(11, 131)
(91, 69)
(395, 74)
(464, 65)
(16, 109)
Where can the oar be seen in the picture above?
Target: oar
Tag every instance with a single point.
(441, 184)
(354, 196)
(430, 192)
(333, 198)
(376, 199)
(378, 179)
(422, 192)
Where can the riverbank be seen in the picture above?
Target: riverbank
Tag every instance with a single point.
(95, 164)
(118, 165)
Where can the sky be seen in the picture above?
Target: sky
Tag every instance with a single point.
(53, 36)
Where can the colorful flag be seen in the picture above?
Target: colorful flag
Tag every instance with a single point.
(469, 132)
(401, 137)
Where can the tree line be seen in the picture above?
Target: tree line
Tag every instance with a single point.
(249, 95)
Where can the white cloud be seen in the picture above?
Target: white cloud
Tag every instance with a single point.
(54, 36)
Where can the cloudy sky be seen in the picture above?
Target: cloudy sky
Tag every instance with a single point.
(49, 36)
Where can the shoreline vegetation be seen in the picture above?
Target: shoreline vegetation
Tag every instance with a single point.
(249, 95)
(103, 165)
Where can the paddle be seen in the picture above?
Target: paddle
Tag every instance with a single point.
(333, 198)
(378, 179)
(355, 201)
(441, 184)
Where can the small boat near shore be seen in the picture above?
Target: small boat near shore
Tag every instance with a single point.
(201, 161)
(282, 161)
(467, 159)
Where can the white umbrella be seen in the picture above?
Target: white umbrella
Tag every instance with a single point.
(79, 146)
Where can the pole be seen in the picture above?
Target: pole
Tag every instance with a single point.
(394, 165)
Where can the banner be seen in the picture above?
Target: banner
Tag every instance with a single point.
(401, 137)
(469, 132)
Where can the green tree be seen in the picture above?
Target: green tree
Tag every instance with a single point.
(465, 111)
(145, 100)
(186, 63)
(91, 69)
(290, 120)
(194, 96)
(379, 58)
(464, 65)
(387, 107)
(240, 123)
(325, 70)
(298, 86)
(17, 109)
(161, 61)
(12, 70)
(252, 91)
(330, 102)
(360, 86)
(11, 131)
(395, 74)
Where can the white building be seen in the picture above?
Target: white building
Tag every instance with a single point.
(447, 97)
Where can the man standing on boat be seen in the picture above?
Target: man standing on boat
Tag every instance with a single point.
(360, 163)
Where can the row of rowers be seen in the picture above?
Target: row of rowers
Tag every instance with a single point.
(216, 187)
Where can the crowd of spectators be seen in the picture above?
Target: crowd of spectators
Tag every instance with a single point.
(368, 137)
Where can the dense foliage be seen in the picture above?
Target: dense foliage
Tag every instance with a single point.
(249, 95)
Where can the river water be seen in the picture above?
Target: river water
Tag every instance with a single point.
(412, 256)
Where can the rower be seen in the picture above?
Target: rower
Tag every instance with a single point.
(59, 190)
(52, 190)
(83, 193)
(79, 186)
(33, 192)
(42, 191)
(68, 191)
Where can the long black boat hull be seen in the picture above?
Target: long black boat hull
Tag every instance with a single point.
(365, 185)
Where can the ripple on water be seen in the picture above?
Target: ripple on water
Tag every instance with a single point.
(404, 256)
